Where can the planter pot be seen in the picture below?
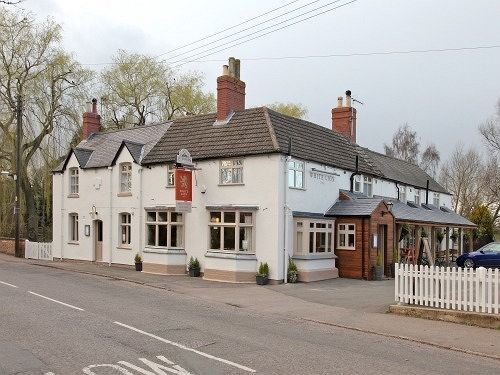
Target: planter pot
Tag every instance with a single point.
(138, 266)
(261, 280)
(194, 272)
(379, 272)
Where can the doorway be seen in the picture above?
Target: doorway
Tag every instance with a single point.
(98, 240)
(382, 235)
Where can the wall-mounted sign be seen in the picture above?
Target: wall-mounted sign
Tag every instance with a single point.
(375, 241)
(323, 176)
(184, 158)
(87, 230)
(183, 189)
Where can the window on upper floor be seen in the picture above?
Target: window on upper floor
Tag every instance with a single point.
(435, 199)
(74, 180)
(165, 229)
(231, 172)
(313, 236)
(231, 231)
(357, 184)
(402, 194)
(125, 226)
(170, 175)
(125, 177)
(368, 186)
(73, 227)
(346, 237)
(416, 199)
(296, 174)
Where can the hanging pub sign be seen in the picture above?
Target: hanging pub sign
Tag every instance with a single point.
(184, 158)
(183, 189)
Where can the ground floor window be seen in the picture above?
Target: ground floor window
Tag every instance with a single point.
(313, 236)
(346, 236)
(231, 231)
(125, 225)
(165, 229)
(73, 227)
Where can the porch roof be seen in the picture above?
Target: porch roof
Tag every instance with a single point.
(354, 207)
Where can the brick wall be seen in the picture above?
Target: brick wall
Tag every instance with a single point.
(7, 245)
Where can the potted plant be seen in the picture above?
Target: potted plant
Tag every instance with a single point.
(379, 267)
(138, 262)
(454, 236)
(423, 233)
(194, 267)
(293, 273)
(395, 259)
(262, 276)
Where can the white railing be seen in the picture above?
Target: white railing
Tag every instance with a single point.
(448, 288)
(38, 250)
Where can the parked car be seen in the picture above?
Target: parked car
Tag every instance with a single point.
(487, 256)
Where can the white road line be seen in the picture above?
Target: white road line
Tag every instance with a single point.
(56, 301)
(180, 346)
(11, 285)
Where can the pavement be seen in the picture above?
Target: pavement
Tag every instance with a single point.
(65, 317)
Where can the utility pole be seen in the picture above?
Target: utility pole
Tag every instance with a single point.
(17, 209)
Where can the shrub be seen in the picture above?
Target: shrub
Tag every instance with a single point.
(137, 258)
(263, 270)
(440, 236)
(293, 272)
(193, 263)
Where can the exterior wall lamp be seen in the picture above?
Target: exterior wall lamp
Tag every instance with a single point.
(93, 212)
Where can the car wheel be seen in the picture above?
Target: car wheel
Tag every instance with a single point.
(469, 263)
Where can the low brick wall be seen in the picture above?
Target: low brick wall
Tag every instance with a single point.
(8, 245)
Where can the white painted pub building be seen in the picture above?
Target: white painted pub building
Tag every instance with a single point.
(262, 186)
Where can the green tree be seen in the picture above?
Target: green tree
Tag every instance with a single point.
(481, 216)
(138, 89)
(296, 110)
(51, 83)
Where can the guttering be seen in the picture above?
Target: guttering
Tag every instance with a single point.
(397, 187)
(285, 220)
(140, 210)
(427, 193)
(356, 172)
(110, 214)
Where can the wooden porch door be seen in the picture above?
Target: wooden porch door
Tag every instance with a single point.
(382, 242)
(98, 240)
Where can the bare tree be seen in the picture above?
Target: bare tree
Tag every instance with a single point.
(404, 144)
(429, 160)
(490, 131)
(462, 176)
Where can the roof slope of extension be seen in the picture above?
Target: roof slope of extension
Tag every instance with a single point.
(403, 171)
(102, 149)
(359, 205)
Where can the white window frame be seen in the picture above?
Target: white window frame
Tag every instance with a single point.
(74, 234)
(296, 174)
(235, 167)
(74, 181)
(343, 229)
(368, 181)
(416, 197)
(305, 227)
(212, 223)
(357, 184)
(169, 224)
(436, 198)
(125, 231)
(170, 175)
(402, 194)
(126, 177)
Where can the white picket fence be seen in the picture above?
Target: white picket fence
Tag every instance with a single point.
(448, 288)
(38, 250)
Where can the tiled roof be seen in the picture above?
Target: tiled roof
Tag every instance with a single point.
(101, 149)
(403, 171)
(354, 207)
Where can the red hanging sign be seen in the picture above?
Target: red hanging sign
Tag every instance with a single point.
(183, 189)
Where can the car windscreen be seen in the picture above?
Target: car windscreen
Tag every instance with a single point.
(493, 247)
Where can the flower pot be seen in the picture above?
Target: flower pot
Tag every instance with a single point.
(261, 280)
(138, 266)
(379, 273)
(194, 272)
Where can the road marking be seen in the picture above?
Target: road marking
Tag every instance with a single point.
(11, 285)
(180, 346)
(56, 301)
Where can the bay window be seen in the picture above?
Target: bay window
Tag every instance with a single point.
(231, 231)
(313, 236)
(164, 229)
(346, 236)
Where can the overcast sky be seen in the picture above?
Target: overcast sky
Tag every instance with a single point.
(444, 96)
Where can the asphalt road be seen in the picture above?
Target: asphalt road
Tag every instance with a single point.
(60, 322)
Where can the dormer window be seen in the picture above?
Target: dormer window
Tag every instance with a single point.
(125, 177)
(73, 181)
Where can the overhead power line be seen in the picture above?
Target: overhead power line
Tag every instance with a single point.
(185, 61)
(228, 28)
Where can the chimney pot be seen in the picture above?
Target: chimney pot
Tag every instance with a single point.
(344, 118)
(91, 121)
(340, 102)
(348, 98)
(94, 105)
(225, 70)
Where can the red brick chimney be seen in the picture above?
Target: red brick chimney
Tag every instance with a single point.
(230, 90)
(344, 118)
(91, 121)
